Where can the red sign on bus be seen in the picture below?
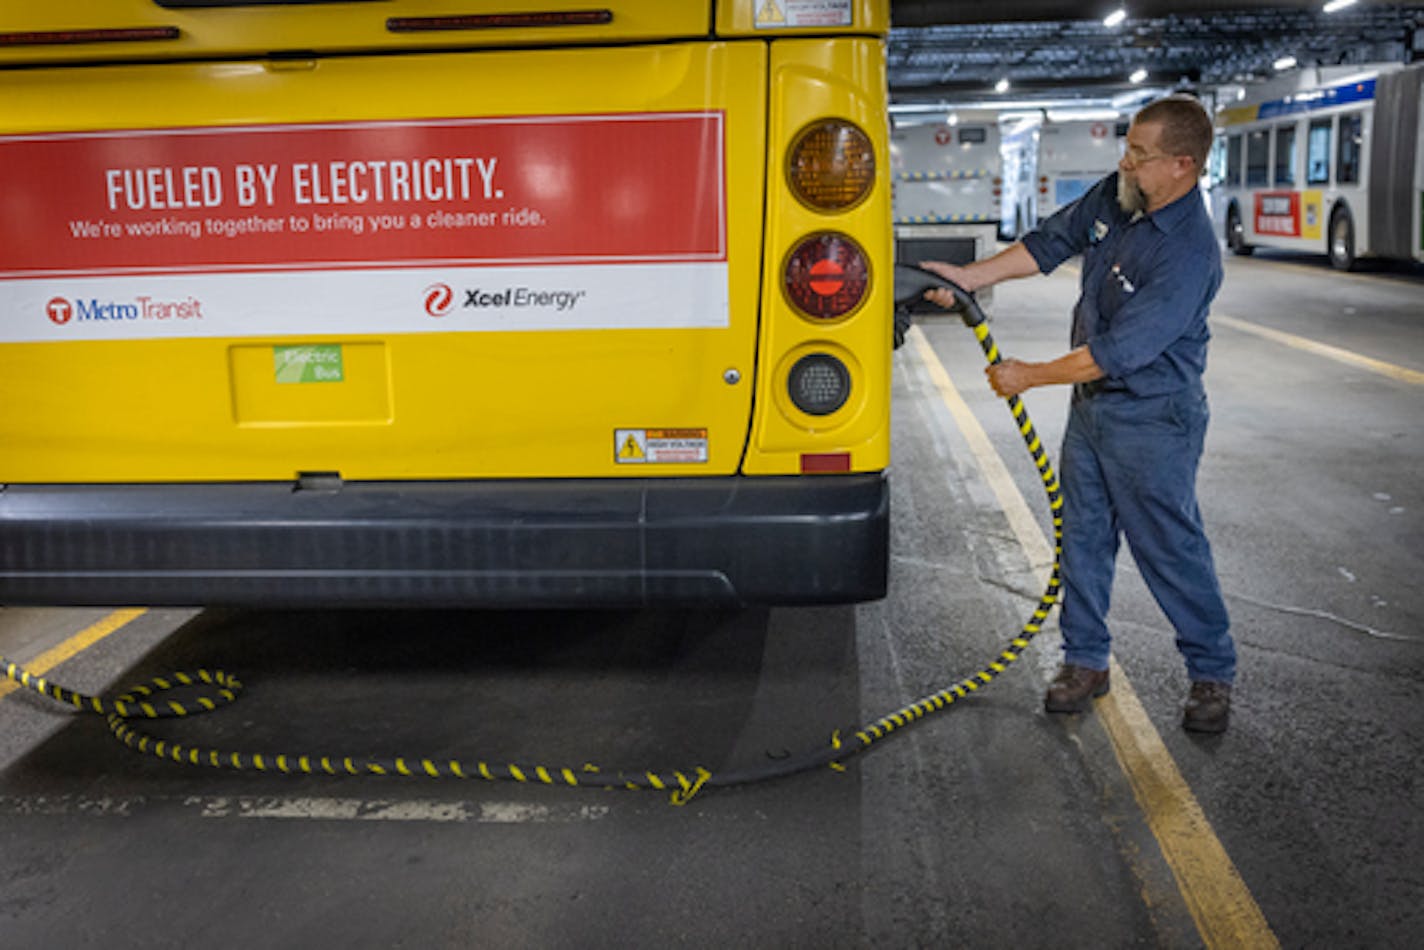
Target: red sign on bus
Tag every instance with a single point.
(527, 190)
(1278, 213)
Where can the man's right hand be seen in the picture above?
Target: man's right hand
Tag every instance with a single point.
(1014, 261)
(960, 275)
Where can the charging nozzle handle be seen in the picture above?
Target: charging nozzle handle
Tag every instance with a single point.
(911, 282)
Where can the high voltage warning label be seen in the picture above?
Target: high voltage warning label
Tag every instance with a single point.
(659, 445)
(774, 14)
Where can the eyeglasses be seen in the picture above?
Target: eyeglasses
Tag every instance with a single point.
(1135, 157)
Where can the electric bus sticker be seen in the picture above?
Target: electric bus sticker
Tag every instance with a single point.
(529, 223)
(319, 363)
(660, 445)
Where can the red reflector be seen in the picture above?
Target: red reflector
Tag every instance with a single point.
(62, 37)
(813, 462)
(498, 21)
(827, 277)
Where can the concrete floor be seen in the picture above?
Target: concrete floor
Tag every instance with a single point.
(989, 825)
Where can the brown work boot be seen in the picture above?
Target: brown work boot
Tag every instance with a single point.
(1074, 689)
(1208, 707)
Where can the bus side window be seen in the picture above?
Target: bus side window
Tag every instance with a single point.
(1258, 148)
(1285, 155)
(1233, 161)
(1317, 153)
(1347, 170)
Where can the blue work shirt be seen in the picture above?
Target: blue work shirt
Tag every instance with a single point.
(1147, 283)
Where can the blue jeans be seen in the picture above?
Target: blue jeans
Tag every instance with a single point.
(1130, 469)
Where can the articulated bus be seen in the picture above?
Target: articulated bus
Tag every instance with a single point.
(1337, 169)
(444, 302)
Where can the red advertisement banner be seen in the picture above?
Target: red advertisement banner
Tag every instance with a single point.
(1278, 214)
(624, 188)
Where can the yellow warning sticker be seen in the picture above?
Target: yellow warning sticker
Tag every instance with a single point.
(778, 14)
(660, 445)
(769, 14)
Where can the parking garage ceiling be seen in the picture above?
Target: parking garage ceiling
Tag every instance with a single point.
(946, 53)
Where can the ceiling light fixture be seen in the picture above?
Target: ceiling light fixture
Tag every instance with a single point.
(1335, 5)
(1002, 85)
(1137, 76)
(1284, 63)
(1115, 17)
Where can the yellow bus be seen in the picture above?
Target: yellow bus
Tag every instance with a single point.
(443, 302)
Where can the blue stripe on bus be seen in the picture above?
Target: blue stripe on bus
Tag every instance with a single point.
(1362, 91)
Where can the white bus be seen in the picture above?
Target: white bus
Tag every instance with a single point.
(1334, 168)
(1050, 164)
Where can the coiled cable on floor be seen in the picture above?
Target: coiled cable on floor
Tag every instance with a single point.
(203, 691)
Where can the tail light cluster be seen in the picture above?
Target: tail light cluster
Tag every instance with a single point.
(826, 277)
(1043, 184)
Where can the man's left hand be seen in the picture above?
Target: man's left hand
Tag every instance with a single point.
(1009, 377)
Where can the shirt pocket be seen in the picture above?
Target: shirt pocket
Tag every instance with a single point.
(1117, 291)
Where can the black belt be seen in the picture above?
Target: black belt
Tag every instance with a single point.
(1097, 387)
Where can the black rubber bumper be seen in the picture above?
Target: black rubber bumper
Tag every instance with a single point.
(557, 543)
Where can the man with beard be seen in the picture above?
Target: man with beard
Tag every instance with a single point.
(1151, 266)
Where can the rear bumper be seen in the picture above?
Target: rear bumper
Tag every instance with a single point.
(726, 540)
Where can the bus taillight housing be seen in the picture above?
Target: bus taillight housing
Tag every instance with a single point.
(826, 276)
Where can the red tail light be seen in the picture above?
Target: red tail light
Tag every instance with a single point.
(826, 276)
(498, 21)
(64, 37)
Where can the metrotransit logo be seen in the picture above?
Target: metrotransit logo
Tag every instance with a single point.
(62, 310)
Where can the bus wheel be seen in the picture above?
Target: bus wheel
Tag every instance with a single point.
(1236, 234)
(1342, 239)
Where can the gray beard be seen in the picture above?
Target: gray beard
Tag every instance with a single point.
(1130, 197)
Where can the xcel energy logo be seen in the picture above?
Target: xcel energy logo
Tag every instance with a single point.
(438, 299)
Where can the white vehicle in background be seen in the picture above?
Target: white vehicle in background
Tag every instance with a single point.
(1019, 150)
(1072, 157)
(1334, 166)
(1050, 163)
(948, 183)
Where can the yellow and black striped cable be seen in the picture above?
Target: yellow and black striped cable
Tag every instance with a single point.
(216, 688)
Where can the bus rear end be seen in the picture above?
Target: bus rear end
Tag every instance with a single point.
(419, 303)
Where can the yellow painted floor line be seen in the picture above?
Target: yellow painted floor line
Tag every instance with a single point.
(1225, 913)
(75, 645)
(1320, 349)
(1021, 520)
